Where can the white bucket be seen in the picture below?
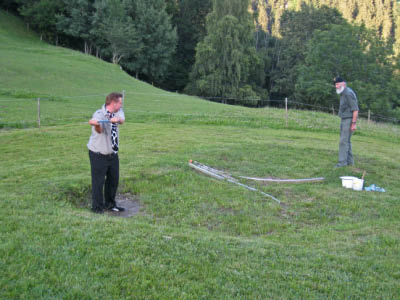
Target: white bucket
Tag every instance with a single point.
(358, 184)
(347, 181)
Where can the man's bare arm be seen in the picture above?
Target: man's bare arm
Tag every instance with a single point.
(96, 125)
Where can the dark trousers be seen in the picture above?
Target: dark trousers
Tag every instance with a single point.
(105, 175)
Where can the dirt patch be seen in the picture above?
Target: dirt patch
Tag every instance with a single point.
(128, 201)
(81, 196)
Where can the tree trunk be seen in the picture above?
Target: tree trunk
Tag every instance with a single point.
(116, 58)
(88, 49)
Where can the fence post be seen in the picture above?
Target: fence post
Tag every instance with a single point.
(286, 112)
(369, 115)
(333, 110)
(38, 111)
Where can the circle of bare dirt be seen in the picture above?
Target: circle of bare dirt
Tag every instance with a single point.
(128, 201)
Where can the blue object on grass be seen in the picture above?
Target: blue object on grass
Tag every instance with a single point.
(374, 188)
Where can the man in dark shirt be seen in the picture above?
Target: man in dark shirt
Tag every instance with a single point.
(348, 112)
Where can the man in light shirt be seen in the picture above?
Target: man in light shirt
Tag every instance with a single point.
(103, 153)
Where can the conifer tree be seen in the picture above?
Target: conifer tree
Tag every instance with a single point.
(224, 58)
(377, 15)
(188, 16)
(397, 28)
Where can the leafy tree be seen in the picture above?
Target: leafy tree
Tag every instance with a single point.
(156, 36)
(9, 5)
(354, 53)
(76, 21)
(41, 16)
(114, 30)
(296, 29)
(224, 58)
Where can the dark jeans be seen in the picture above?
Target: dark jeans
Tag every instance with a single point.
(105, 175)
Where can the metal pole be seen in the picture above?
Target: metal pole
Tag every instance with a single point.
(38, 108)
(369, 115)
(286, 112)
(218, 175)
(333, 110)
(123, 97)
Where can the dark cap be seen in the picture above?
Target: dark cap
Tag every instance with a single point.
(338, 79)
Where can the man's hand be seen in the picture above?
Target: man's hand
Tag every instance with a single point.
(354, 120)
(114, 120)
(96, 125)
(117, 120)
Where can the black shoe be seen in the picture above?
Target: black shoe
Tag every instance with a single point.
(98, 211)
(117, 209)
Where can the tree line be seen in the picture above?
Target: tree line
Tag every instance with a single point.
(248, 50)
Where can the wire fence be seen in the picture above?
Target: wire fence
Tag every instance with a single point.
(30, 110)
(293, 104)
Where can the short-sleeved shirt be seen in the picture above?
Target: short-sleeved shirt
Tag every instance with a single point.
(348, 103)
(101, 142)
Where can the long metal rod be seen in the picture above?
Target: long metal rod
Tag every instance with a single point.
(254, 189)
(219, 175)
(284, 180)
(210, 173)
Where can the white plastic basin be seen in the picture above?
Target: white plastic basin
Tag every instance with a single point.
(358, 184)
(347, 181)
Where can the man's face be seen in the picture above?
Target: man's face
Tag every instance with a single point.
(117, 105)
(340, 87)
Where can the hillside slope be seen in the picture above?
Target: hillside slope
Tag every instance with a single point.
(31, 65)
(31, 68)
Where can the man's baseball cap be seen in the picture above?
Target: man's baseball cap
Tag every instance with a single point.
(338, 79)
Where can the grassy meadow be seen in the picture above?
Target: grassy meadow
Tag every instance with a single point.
(195, 237)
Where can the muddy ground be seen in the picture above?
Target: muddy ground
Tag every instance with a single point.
(131, 204)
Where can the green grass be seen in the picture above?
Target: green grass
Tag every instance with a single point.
(196, 238)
